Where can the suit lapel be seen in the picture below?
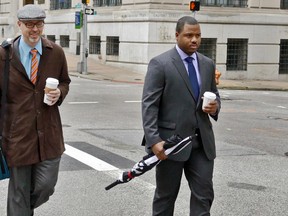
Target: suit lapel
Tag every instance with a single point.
(183, 73)
(178, 63)
(203, 75)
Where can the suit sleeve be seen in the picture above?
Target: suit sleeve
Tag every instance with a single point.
(215, 90)
(151, 99)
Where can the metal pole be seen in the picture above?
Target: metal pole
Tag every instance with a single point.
(84, 42)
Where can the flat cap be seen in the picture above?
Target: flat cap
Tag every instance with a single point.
(31, 12)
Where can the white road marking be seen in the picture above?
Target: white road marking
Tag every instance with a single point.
(88, 159)
(283, 107)
(132, 101)
(84, 102)
(100, 165)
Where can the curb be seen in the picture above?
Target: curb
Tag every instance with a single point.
(255, 88)
(98, 77)
(257, 85)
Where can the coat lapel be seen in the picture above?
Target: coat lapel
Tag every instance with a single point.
(15, 58)
(46, 47)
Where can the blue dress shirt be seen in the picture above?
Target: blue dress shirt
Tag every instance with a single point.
(26, 56)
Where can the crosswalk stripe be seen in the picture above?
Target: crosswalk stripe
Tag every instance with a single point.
(132, 101)
(88, 159)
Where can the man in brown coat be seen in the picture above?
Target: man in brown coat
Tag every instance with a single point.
(32, 130)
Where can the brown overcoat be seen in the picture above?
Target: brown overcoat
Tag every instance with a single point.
(32, 130)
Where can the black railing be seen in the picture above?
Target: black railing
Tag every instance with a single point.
(237, 54)
(64, 40)
(208, 47)
(112, 46)
(95, 45)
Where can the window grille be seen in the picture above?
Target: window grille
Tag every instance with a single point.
(112, 46)
(28, 2)
(60, 4)
(237, 52)
(208, 47)
(95, 45)
(283, 62)
(224, 3)
(64, 40)
(284, 4)
(102, 3)
(51, 38)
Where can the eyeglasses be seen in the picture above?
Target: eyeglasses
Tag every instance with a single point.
(31, 25)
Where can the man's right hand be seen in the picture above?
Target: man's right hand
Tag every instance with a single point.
(159, 151)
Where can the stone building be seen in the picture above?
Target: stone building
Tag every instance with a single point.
(247, 39)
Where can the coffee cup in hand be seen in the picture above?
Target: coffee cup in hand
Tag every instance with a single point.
(51, 84)
(208, 97)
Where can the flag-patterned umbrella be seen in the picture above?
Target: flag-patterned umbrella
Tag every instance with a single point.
(173, 146)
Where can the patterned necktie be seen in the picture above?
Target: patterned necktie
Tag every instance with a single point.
(34, 66)
(193, 77)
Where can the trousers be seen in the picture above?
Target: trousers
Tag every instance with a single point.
(198, 171)
(31, 186)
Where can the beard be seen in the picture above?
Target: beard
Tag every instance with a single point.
(34, 40)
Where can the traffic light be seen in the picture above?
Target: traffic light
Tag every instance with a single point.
(194, 5)
(85, 1)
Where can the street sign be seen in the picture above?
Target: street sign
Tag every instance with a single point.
(89, 11)
(78, 20)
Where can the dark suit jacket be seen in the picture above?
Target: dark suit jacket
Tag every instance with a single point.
(169, 106)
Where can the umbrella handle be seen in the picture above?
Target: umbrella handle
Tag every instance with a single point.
(113, 185)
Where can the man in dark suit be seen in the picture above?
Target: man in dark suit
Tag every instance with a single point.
(172, 104)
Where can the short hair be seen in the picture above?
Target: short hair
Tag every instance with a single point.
(185, 20)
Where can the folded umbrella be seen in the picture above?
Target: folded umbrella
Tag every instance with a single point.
(173, 146)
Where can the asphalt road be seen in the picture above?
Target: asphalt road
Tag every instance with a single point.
(103, 132)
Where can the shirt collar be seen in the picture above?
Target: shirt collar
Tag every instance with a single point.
(183, 55)
(26, 48)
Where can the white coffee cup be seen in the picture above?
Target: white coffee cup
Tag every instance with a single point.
(208, 97)
(51, 84)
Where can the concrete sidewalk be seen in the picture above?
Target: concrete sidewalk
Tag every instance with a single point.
(98, 71)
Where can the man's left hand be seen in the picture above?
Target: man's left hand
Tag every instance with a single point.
(54, 96)
(211, 108)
